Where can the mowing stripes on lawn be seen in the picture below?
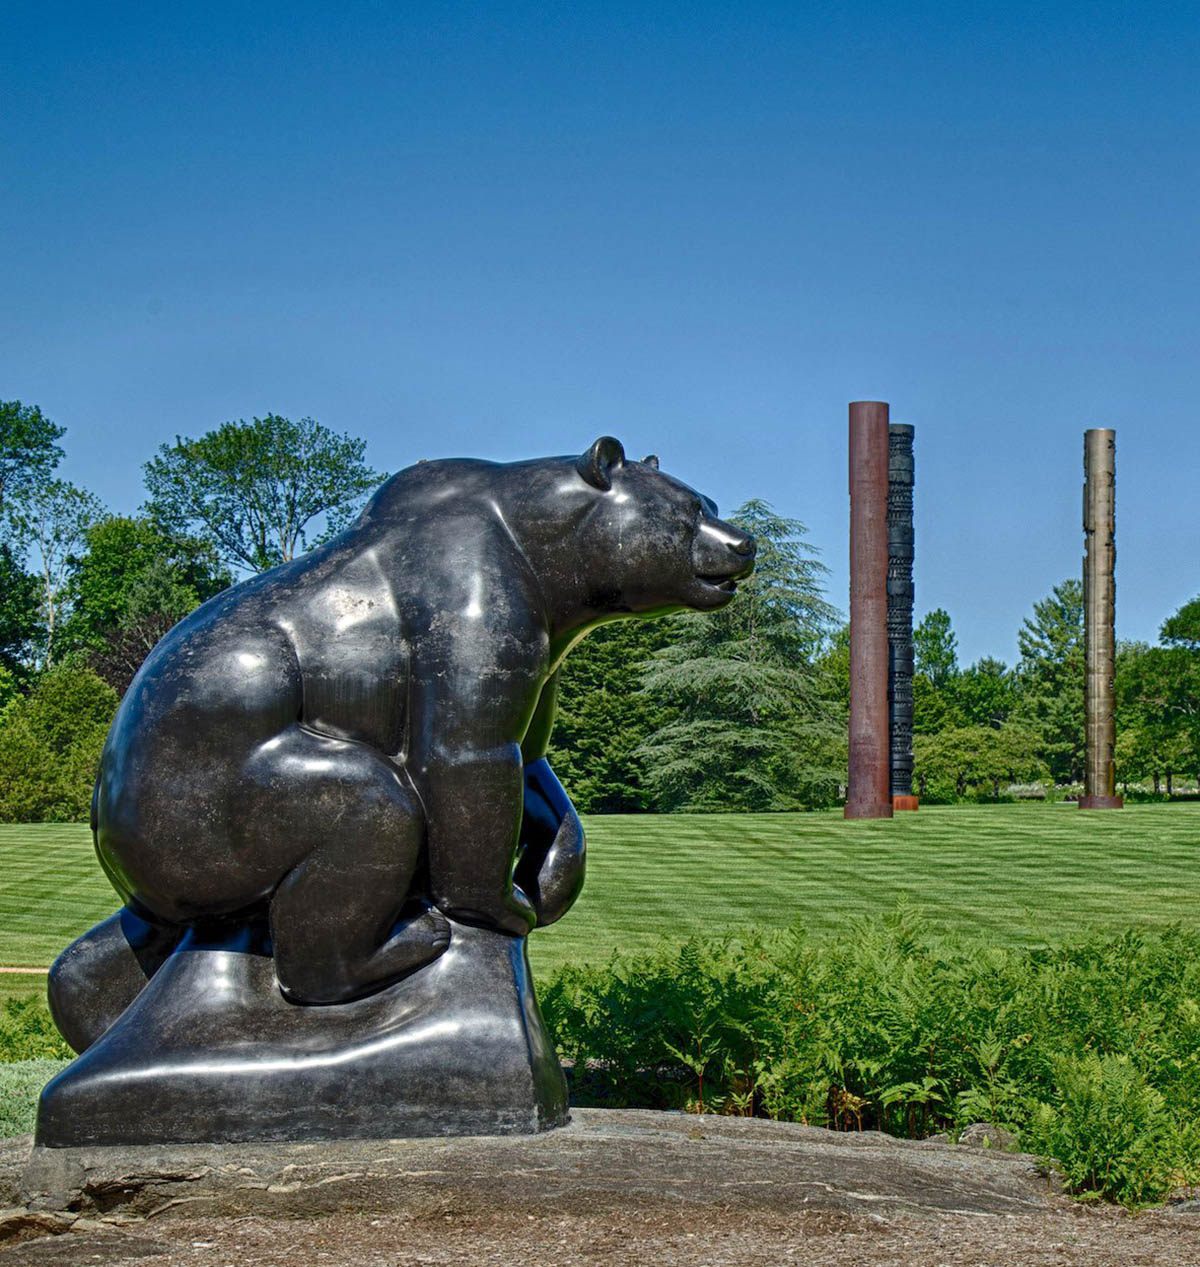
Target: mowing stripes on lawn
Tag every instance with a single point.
(51, 890)
(1015, 874)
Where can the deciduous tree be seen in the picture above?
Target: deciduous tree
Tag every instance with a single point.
(20, 623)
(966, 756)
(50, 742)
(1183, 628)
(985, 693)
(257, 490)
(1158, 707)
(29, 449)
(129, 586)
(49, 521)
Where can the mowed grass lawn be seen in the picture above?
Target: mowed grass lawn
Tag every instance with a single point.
(1016, 874)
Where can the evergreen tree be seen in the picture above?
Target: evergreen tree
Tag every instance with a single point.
(604, 716)
(935, 648)
(1051, 673)
(750, 726)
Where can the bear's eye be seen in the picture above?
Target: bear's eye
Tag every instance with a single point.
(690, 513)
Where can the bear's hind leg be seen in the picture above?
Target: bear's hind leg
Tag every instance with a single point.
(337, 936)
(344, 921)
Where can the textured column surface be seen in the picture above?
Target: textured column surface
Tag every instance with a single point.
(1099, 616)
(869, 791)
(900, 612)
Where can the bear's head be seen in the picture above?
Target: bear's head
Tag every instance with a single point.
(652, 544)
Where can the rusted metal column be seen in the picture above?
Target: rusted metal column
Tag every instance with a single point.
(869, 791)
(900, 613)
(1099, 615)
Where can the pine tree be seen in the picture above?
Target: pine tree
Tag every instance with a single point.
(750, 726)
(604, 717)
(1051, 674)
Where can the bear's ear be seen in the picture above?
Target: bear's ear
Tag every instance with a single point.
(651, 460)
(597, 464)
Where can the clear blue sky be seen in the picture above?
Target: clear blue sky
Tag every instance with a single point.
(502, 229)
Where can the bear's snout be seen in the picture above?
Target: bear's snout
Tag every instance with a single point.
(723, 552)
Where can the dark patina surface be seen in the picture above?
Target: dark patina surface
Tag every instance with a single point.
(326, 807)
(900, 612)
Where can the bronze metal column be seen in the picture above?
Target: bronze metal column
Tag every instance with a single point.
(1099, 616)
(900, 613)
(869, 791)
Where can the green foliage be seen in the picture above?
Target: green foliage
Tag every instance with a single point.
(8, 687)
(253, 489)
(1183, 628)
(1157, 710)
(1051, 673)
(933, 710)
(49, 521)
(947, 763)
(748, 726)
(20, 621)
(50, 743)
(948, 698)
(27, 1031)
(1110, 1131)
(604, 717)
(119, 552)
(1089, 1052)
(131, 584)
(985, 694)
(20, 1085)
(935, 648)
(834, 665)
(29, 449)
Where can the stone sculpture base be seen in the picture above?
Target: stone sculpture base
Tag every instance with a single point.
(211, 1052)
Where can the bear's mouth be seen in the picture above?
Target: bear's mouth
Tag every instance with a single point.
(718, 581)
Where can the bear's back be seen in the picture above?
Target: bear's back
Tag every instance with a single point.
(324, 640)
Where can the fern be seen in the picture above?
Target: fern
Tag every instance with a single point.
(1089, 1052)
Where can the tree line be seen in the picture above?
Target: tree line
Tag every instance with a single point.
(743, 709)
(86, 593)
(990, 725)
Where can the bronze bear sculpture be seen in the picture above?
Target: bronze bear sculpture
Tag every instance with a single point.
(347, 753)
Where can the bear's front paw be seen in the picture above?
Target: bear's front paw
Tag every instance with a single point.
(522, 910)
(516, 916)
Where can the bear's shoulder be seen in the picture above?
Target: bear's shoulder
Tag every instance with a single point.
(447, 488)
